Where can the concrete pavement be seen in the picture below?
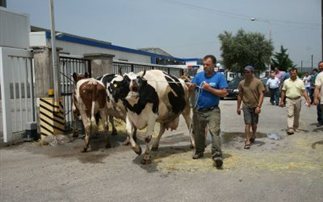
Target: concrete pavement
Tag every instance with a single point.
(289, 169)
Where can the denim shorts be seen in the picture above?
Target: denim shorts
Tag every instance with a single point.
(249, 115)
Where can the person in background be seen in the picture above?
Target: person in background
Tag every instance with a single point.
(318, 93)
(279, 74)
(307, 83)
(293, 89)
(210, 86)
(251, 93)
(312, 81)
(273, 84)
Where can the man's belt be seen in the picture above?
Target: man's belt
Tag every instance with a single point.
(294, 98)
(207, 109)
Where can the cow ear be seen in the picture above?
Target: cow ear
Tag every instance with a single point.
(86, 75)
(75, 77)
(143, 81)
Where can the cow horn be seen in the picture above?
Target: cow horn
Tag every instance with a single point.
(75, 77)
(143, 74)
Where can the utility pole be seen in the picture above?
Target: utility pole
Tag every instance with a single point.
(312, 61)
(322, 27)
(54, 53)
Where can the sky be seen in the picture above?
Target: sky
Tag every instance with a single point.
(185, 28)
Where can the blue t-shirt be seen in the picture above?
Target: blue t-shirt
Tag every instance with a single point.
(205, 98)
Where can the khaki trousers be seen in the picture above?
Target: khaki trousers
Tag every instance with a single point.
(293, 111)
(212, 119)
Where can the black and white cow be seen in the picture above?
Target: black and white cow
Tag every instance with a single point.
(116, 109)
(149, 97)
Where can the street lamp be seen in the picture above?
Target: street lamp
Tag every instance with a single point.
(265, 21)
(269, 25)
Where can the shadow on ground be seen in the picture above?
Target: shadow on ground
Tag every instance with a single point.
(73, 148)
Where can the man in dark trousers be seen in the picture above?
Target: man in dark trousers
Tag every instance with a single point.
(209, 86)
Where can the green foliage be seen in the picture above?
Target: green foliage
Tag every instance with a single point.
(281, 60)
(245, 49)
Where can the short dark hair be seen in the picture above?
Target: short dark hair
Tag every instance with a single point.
(212, 57)
(320, 62)
(315, 70)
(293, 69)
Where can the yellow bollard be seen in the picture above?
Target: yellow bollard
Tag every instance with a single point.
(51, 116)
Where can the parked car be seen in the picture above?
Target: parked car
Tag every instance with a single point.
(233, 88)
(234, 91)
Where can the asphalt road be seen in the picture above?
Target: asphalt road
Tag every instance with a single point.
(288, 169)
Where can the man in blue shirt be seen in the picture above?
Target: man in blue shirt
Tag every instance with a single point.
(209, 86)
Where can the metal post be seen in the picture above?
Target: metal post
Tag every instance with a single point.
(312, 66)
(322, 27)
(54, 54)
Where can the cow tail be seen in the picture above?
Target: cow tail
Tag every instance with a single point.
(93, 120)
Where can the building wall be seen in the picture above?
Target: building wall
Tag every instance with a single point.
(80, 49)
(14, 29)
(38, 39)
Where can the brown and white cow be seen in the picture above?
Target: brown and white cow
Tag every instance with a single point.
(89, 102)
(149, 97)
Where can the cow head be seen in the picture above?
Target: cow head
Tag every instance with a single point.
(78, 77)
(135, 83)
(117, 89)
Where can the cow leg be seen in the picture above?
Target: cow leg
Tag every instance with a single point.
(114, 130)
(131, 131)
(188, 120)
(75, 116)
(127, 141)
(87, 128)
(156, 142)
(104, 117)
(149, 132)
(75, 130)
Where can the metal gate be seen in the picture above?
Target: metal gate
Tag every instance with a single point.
(69, 65)
(124, 67)
(17, 103)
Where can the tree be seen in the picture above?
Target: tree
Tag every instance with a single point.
(281, 59)
(245, 49)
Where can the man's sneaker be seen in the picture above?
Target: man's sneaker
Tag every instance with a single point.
(197, 155)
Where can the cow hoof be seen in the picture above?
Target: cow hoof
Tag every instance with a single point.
(145, 161)
(126, 142)
(154, 148)
(75, 134)
(84, 150)
(137, 150)
(148, 139)
(191, 146)
(108, 145)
